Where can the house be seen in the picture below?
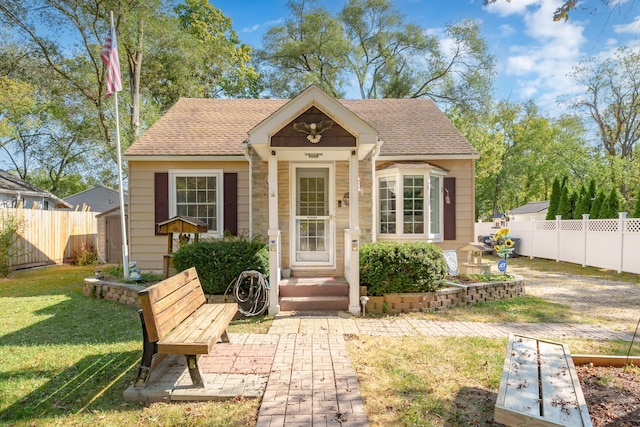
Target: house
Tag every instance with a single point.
(537, 210)
(96, 199)
(316, 175)
(16, 192)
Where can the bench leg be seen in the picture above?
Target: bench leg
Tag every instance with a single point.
(225, 336)
(194, 370)
(149, 350)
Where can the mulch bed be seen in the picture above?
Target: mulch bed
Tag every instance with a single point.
(612, 394)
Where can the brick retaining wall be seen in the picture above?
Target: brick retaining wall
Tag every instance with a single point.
(446, 298)
(390, 303)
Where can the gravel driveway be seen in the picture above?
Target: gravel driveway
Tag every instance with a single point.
(617, 303)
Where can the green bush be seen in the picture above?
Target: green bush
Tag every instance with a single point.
(390, 267)
(219, 262)
(10, 226)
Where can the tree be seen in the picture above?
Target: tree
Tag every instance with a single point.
(556, 192)
(597, 205)
(611, 97)
(190, 49)
(564, 205)
(370, 43)
(582, 204)
(636, 207)
(610, 206)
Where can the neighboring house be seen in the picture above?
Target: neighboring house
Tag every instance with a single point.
(390, 169)
(96, 199)
(106, 202)
(16, 192)
(537, 210)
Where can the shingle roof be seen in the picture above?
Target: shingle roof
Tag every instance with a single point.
(218, 127)
(533, 207)
(98, 198)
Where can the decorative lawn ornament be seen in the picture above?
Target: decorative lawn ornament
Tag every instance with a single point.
(503, 245)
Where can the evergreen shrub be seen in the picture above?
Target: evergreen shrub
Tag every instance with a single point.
(393, 267)
(219, 262)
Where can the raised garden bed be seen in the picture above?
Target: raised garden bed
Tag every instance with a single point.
(451, 296)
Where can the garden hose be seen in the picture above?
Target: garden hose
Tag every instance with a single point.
(251, 291)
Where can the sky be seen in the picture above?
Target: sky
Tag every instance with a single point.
(534, 54)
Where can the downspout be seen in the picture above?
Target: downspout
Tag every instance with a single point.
(374, 188)
(247, 154)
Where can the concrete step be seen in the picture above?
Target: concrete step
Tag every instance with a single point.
(313, 287)
(316, 303)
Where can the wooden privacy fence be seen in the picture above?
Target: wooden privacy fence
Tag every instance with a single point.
(50, 237)
(613, 244)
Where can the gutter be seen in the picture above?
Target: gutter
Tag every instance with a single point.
(374, 190)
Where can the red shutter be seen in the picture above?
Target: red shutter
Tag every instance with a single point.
(231, 203)
(449, 208)
(161, 199)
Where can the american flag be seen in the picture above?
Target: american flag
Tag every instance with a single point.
(109, 56)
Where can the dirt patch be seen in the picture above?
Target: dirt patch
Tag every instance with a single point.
(612, 395)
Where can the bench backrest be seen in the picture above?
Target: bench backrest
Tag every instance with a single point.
(166, 304)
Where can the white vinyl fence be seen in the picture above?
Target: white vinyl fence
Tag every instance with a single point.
(613, 244)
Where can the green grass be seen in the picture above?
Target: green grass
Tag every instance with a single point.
(66, 359)
(524, 309)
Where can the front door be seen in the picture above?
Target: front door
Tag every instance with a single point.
(312, 216)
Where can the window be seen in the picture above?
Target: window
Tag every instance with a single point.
(387, 189)
(197, 194)
(416, 206)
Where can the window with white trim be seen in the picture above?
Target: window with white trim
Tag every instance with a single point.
(410, 202)
(197, 194)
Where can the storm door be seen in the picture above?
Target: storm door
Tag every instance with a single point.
(312, 230)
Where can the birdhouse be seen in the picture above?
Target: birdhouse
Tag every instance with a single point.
(185, 226)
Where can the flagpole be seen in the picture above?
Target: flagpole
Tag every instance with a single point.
(123, 222)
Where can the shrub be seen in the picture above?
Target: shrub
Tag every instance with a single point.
(85, 256)
(389, 267)
(9, 228)
(219, 262)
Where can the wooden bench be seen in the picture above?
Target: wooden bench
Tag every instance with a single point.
(539, 386)
(176, 320)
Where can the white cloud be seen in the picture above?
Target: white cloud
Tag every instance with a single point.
(543, 62)
(631, 28)
(507, 30)
(251, 29)
(507, 8)
(255, 27)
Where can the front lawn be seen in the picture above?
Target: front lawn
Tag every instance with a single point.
(66, 359)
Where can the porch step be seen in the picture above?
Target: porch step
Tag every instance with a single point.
(314, 293)
(322, 303)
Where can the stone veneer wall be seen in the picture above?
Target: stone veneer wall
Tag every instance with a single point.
(128, 294)
(446, 298)
(120, 292)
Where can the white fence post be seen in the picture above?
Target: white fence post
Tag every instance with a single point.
(622, 216)
(558, 219)
(585, 232)
(533, 237)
